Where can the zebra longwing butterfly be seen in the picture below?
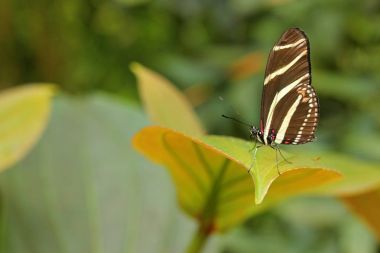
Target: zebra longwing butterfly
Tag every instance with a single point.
(289, 105)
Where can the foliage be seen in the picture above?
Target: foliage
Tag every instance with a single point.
(209, 49)
(209, 176)
(165, 103)
(24, 113)
(84, 189)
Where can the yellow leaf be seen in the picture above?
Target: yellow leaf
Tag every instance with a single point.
(164, 103)
(213, 185)
(367, 206)
(23, 115)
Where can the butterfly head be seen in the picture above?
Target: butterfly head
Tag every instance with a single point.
(256, 133)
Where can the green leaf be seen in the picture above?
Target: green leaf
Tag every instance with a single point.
(24, 113)
(212, 182)
(302, 174)
(358, 176)
(164, 103)
(84, 189)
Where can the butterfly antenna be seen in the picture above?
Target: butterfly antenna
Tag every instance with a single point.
(232, 109)
(235, 112)
(237, 120)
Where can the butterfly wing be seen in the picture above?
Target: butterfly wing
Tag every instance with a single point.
(289, 107)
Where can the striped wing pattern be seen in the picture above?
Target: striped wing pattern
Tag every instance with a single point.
(290, 107)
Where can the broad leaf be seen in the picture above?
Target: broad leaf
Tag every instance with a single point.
(24, 114)
(358, 176)
(164, 103)
(308, 172)
(213, 184)
(84, 189)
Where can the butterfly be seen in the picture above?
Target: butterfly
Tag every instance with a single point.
(289, 104)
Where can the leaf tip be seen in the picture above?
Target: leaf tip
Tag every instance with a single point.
(261, 192)
(135, 67)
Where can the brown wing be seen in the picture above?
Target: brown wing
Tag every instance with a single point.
(289, 106)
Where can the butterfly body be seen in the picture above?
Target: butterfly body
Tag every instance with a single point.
(259, 135)
(289, 105)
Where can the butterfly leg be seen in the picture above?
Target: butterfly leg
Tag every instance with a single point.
(278, 150)
(278, 170)
(255, 148)
(283, 157)
(255, 152)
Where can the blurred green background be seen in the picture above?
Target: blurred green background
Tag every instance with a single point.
(208, 49)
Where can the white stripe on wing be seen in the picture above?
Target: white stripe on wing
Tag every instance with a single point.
(282, 70)
(279, 95)
(285, 123)
(276, 48)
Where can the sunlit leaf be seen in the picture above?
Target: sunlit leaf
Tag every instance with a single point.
(24, 113)
(367, 206)
(302, 174)
(358, 176)
(165, 104)
(213, 184)
(205, 180)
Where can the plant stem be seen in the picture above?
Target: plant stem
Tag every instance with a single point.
(199, 240)
(208, 215)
